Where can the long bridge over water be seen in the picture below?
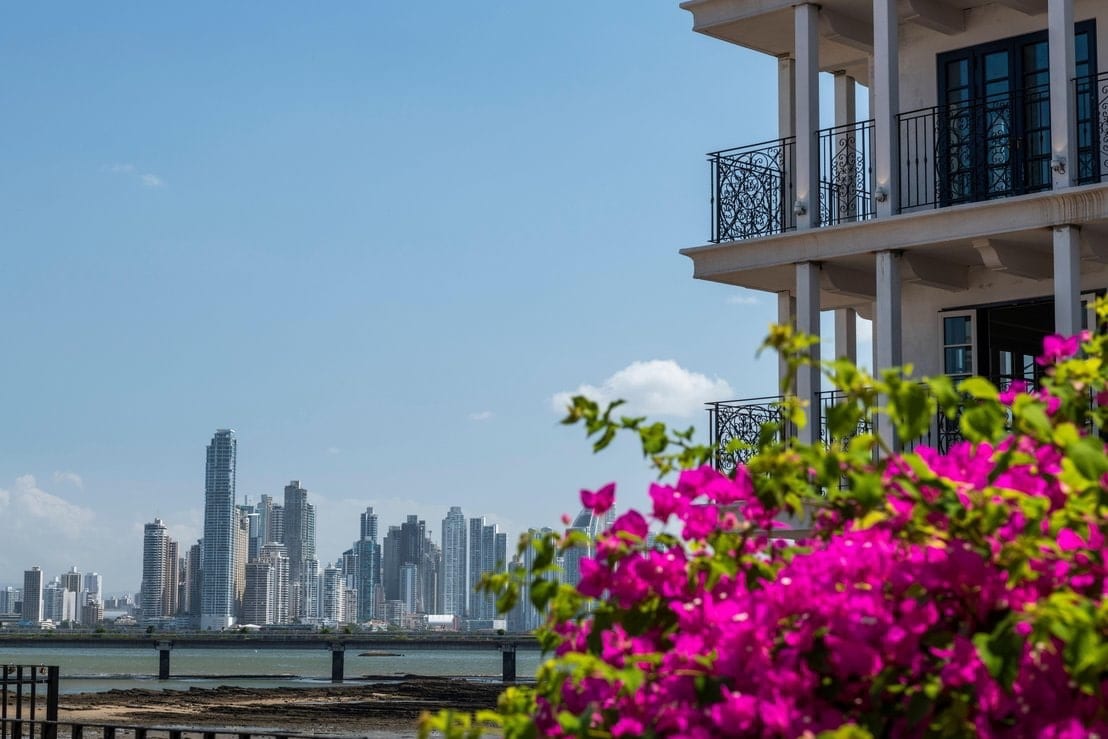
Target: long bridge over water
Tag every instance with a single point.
(165, 643)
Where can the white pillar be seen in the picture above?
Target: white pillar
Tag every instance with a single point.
(846, 334)
(845, 106)
(887, 329)
(886, 104)
(806, 38)
(1063, 117)
(807, 322)
(786, 97)
(786, 316)
(1067, 280)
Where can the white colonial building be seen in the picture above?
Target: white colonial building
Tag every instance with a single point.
(967, 217)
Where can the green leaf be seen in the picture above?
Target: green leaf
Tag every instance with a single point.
(1088, 457)
(978, 387)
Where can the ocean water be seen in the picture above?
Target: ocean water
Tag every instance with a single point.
(93, 669)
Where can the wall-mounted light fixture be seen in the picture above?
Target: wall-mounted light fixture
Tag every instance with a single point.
(1058, 164)
(799, 208)
(881, 195)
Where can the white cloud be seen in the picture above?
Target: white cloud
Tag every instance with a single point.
(743, 298)
(146, 179)
(481, 416)
(71, 478)
(38, 510)
(653, 387)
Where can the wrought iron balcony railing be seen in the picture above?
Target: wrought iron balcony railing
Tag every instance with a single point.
(1092, 128)
(753, 187)
(752, 190)
(978, 149)
(742, 420)
(846, 173)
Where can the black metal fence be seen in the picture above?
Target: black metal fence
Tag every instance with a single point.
(1092, 128)
(81, 730)
(28, 696)
(752, 190)
(980, 149)
(846, 173)
(742, 421)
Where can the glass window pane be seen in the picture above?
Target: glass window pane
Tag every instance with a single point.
(959, 360)
(956, 330)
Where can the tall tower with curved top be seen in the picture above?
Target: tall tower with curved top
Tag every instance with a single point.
(217, 595)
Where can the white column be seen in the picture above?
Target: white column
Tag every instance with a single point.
(807, 322)
(887, 328)
(844, 99)
(786, 316)
(1067, 280)
(846, 334)
(786, 97)
(806, 38)
(886, 104)
(1063, 117)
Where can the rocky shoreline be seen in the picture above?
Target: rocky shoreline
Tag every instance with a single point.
(337, 709)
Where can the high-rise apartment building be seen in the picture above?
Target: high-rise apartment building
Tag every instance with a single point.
(332, 590)
(276, 555)
(525, 616)
(9, 598)
(72, 582)
(194, 573)
(591, 525)
(488, 550)
(242, 549)
(159, 573)
(455, 582)
(93, 586)
(390, 564)
(258, 599)
(217, 592)
(32, 595)
(299, 524)
(367, 553)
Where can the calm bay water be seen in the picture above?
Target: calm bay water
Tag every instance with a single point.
(92, 669)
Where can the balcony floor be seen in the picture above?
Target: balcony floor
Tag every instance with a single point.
(940, 241)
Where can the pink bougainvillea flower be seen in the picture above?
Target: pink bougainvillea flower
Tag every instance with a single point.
(601, 501)
(1056, 348)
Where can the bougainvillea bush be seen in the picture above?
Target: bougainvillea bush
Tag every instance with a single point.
(927, 594)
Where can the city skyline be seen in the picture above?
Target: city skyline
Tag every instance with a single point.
(382, 250)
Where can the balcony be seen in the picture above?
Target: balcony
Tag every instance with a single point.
(742, 420)
(994, 147)
(753, 188)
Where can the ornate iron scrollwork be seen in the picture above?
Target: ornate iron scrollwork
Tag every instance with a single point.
(753, 189)
(742, 421)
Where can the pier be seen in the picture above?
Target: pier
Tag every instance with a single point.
(166, 643)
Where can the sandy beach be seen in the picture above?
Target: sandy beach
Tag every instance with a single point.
(337, 710)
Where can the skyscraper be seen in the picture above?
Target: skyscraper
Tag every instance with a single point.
(331, 595)
(94, 587)
(455, 584)
(277, 557)
(32, 595)
(156, 572)
(487, 553)
(299, 520)
(217, 594)
(367, 552)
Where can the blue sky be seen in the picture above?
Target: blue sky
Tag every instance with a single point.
(375, 239)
